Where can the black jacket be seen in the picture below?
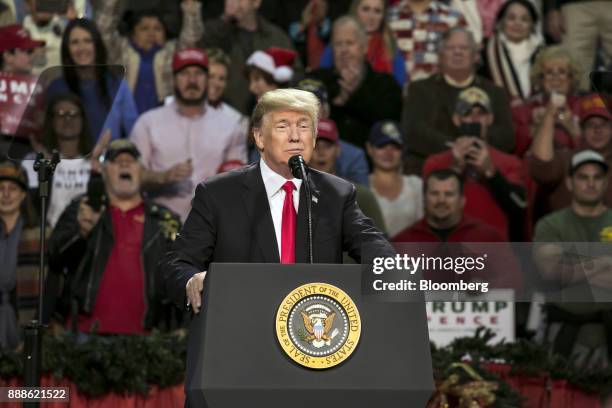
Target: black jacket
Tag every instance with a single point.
(230, 221)
(378, 97)
(82, 262)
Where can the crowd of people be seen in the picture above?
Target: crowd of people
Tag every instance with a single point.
(455, 120)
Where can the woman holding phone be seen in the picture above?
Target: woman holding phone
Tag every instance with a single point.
(553, 108)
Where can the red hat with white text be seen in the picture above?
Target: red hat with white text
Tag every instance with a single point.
(14, 36)
(188, 57)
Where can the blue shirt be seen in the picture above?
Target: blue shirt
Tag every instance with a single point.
(145, 91)
(352, 164)
(121, 116)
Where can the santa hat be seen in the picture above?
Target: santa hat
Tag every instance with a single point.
(276, 61)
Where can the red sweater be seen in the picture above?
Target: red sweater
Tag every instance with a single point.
(502, 271)
(468, 230)
(524, 117)
(479, 200)
(120, 302)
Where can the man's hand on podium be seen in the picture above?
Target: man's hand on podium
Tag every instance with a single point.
(194, 289)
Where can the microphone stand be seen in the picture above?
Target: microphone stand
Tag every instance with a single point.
(308, 209)
(298, 168)
(34, 331)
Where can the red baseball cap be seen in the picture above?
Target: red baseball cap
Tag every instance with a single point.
(189, 56)
(14, 37)
(593, 105)
(230, 165)
(327, 130)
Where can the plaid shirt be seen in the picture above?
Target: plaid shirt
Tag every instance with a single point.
(418, 34)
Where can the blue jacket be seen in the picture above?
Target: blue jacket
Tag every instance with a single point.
(352, 164)
(121, 116)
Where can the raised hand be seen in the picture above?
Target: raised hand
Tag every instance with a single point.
(178, 172)
(460, 148)
(478, 155)
(98, 149)
(87, 217)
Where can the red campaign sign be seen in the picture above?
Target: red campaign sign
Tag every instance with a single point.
(21, 105)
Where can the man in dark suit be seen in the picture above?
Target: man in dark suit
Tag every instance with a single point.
(257, 214)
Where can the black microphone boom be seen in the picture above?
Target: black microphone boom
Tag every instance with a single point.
(299, 169)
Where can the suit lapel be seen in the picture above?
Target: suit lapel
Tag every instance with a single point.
(257, 207)
(301, 233)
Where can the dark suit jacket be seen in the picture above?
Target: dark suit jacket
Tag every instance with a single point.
(230, 221)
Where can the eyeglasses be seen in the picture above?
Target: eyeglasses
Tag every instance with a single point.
(72, 114)
(598, 126)
(28, 51)
(559, 73)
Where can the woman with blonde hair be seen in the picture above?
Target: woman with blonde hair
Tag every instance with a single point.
(553, 107)
(383, 54)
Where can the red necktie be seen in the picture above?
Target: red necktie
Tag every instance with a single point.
(288, 226)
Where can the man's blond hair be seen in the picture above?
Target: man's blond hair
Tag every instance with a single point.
(287, 99)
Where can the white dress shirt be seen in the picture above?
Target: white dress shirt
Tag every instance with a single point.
(273, 182)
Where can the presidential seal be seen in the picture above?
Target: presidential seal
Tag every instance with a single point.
(318, 325)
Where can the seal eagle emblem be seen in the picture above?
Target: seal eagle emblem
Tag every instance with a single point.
(318, 325)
